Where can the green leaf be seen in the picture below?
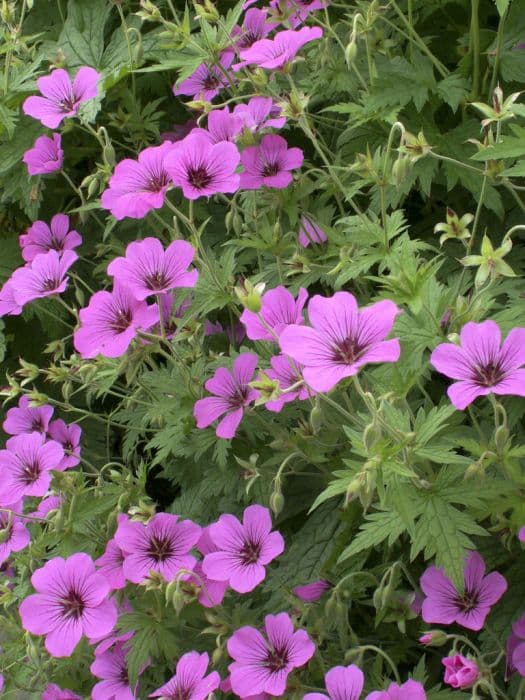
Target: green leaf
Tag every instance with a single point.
(82, 38)
(453, 90)
(380, 526)
(508, 147)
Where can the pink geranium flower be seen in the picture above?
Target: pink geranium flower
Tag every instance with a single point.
(138, 186)
(297, 11)
(8, 304)
(222, 125)
(71, 601)
(516, 648)
(25, 418)
(111, 563)
(445, 605)
(15, 535)
(46, 276)
(46, 505)
(46, 156)
(41, 238)
(343, 339)
(190, 680)
(53, 692)
(288, 373)
(148, 269)
(69, 437)
(310, 232)
(255, 27)
(260, 113)
(277, 52)
(163, 546)
(244, 549)
(61, 98)
(460, 672)
(269, 163)
(311, 592)
(211, 592)
(25, 466)
(111, 667)
(231, 395)
(481, 364)
(202, 168)
(342, 683)
(410, 690)
(207, 81)
(111, 321)
(279, 309)
(262, 663)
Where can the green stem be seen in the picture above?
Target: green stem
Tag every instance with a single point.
(128, 43)
(371, 647)
(475, 48)
(497, 56)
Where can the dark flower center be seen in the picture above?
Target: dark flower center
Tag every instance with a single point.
(67, 104)
(123, 674)
(160, 548)
(210, 82)
(199, 177)
(250, 552)
(157, 182)
(181, 694)
(55, 244)
(121, 320)
(49, 285)
(238, 399)
(488, 375)
(348, 351)
(30, 472)
(157, 280)
(72, 605)
(36, 424)
(248, 38)
(468, 601)
(68, 447)
(270, 169)
(277, 660)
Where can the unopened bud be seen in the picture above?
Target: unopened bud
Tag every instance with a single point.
(351, 50)
(434, 638)
(316, 418)
(277, 502)
(400, 170)
(501, 438)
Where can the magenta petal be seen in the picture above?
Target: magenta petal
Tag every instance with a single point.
(228, 425)
(462, 394)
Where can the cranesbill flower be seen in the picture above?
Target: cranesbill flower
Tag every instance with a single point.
(410, 690)
(25, 418)
(46, 276)
(41, 237)
(53, 692)
(260, 113)
(288, 373)
(190, 680)
(111, 563)
(255, 27)
(231, 395)
(521, 534)
(138, 186)
(297, 11)
(207, 81)
(201, 168)
(244, 549)
(25, 466)
(310, 232)
(8, 304)
(460, 672)
(277, 52)
(46, 505)
(15, 535)
(481, 364)
(69, 437)
(279, 309)
(342, 340)
(148, 269)
(111, 321)
(61, 98)
(211, 592)
(311, 592)
(269, 163)
(161, 546)
(46, 156)
(445, 604)
(71, 601)
(262, 663)
(222, 125)
(516, 648)
(111, 667)
(342, 683)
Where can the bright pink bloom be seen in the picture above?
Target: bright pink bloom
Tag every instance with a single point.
(202, 168)
(148, 269)
(445, 605)
(25, 418)
(46, 156)
(45, 276)
(342, 683)
(287, 372)
(61, 98)
(222, 125)
(277, 52)
(262, 664)
(279, 309)
(269, 163)
(460, 672)
(41, 238)
(226, 687)
(244, 549)
(311, 592)
(207, 81)
(342, 340)
(138, 186)
(15, 535)
(211, 592)
(310, 232)
(410, 690)
(231, 395)
(260, 113)
(69, 437)
(53, 692)
(8, 304)
(163, 546)
(46, 505)
(111, 563)
(71, 601)
(111, 667)
(516, 648)
(481, 365)
(255, 27)
(25, 466)
(190, 680)
(111, 321)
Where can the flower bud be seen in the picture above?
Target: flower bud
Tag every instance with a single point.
(316, 418)
(501, 438)
(434, 638)
(351, 50)
(400, 170)
(250, 295)
(276, 502)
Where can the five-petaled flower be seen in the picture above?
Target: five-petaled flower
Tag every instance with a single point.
(206, 81)
(190, 680)
(279, 309)
(45, 276)
(460, 672)
(25, 418)
(46, 156)
(41, 237)
(277, 52)
(269, 163)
